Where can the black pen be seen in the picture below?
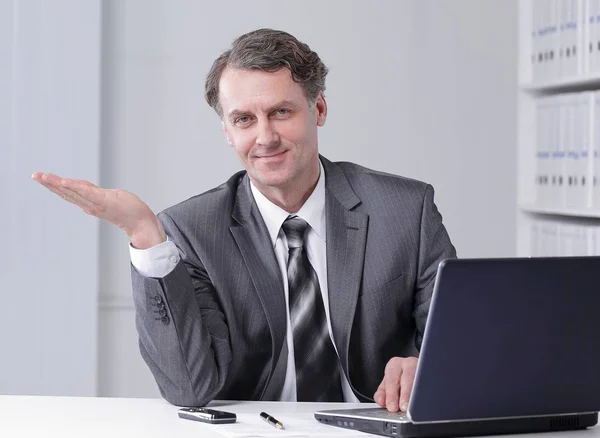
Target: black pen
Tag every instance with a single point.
(271, 420)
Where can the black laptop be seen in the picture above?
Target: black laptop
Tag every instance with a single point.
(511, 346)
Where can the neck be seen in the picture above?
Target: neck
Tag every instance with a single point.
(293, 196)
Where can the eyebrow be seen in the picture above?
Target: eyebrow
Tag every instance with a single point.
(284, 103)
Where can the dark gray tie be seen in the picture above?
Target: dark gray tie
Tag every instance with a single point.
(317, 364)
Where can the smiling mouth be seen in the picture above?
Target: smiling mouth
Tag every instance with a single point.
(272, 156)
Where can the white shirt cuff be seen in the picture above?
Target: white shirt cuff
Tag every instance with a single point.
(157, 261)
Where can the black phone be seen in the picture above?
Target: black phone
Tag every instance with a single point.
(206, 415)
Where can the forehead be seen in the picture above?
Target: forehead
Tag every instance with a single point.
(248, 90)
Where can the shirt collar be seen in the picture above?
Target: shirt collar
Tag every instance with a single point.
(313, 210)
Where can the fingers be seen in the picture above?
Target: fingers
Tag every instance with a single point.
(72, 197)
(379, 396)
(394, 391)
(391, 380)
(47, 178)
(76, 192)
(83, 189)
(406, 383)
(86, 190)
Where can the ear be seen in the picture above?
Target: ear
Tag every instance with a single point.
(321, 109)
(226, 132)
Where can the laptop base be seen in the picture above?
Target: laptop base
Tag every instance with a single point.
(399, 426)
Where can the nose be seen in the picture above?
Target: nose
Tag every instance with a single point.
(267, 135)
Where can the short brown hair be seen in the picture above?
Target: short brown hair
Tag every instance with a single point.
(268, 50)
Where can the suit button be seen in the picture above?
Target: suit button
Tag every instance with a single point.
(165, 319)
(158, 298)
(162, 312)
(160, 306)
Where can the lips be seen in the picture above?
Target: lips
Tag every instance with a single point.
(271, 155)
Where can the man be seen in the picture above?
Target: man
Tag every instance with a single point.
(297, 279)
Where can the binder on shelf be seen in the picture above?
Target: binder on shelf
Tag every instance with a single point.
(554, 34)
(593, 242)
(567, 240)
(534, 239)
(579, 240)
(548, 239)
(588, 21)
(540, 167)
(560, 140)
(594, 166)
(580, 177)
(568, 53)
(546, 22)
(536, 46)
(542, 8)
(594, 34)
(567, 151)
(547, 140)
(569, 139)
(580, 52)
(588, 138)
(577, 167)
(564, 39)
(551, 238)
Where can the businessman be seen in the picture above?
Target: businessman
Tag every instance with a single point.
(298, 278)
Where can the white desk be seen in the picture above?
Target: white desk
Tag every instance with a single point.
(83, 417)
(67, 417)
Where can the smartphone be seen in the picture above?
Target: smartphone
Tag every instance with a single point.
(212, 416)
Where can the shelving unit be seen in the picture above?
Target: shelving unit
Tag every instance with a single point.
(585, 82)
(559, 59)
(557, 211)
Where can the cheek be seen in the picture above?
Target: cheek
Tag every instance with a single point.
(242, 143)
(297, 133)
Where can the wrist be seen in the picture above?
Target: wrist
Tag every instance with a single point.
(148, 234)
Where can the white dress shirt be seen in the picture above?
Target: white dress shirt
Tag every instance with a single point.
(159, 260)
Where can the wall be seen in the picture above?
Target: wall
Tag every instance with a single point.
(49, 121)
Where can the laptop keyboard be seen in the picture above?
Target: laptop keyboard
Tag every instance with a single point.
(385, 414)
(375, 413)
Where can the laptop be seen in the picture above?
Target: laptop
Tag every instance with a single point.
(511, 346)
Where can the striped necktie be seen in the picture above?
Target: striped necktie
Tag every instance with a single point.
(317, 364)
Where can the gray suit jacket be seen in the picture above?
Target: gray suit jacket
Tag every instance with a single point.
(214, 328)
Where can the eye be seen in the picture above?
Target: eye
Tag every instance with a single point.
(242, 120)
(283, 113)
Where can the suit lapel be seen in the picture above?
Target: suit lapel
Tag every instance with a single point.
(346, 240)
(252, 238)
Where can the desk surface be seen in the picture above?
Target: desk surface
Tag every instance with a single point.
(22, 416)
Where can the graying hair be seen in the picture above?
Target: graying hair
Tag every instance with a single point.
(269, 50)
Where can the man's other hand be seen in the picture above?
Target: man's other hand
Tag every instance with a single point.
(394, 391)
(119, 207)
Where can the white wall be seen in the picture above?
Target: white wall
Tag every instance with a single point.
(49, 121)
(426, 89)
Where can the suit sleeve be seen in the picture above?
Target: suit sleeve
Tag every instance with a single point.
(434, 246)
(183, 335)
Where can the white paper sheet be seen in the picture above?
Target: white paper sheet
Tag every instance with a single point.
(251, 426)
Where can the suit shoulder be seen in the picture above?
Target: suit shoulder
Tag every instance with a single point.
(215, 200)
(359, 175)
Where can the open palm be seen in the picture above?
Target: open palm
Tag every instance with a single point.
(119, 207)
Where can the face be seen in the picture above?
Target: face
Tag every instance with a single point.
(268, 121)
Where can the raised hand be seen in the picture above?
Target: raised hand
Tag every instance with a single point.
(119, 207)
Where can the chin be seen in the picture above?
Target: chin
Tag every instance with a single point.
(272, 179)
